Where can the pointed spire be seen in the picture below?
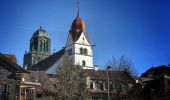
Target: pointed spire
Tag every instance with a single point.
(78, 7)
(78, 11)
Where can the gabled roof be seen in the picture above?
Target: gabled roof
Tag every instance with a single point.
(49, 61)
(9, 62)
(113, 75)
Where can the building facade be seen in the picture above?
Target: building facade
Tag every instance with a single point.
(13, 81)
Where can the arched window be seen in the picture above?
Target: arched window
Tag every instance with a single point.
(85, 52)
(83, 63)
(41, 46)
(44, 43)
(47, 46)
(81, 50)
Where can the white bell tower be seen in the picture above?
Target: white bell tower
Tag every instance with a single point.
(78, 45)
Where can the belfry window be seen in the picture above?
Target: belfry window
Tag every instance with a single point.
(81, 50)
(83, 63)
(85, 51)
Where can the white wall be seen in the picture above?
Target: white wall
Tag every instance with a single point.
(53, 68)
(76, 57)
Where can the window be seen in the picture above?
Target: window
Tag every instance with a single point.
(83, 63)
(44, 46)
(105, 85)
(85, 51)
(101, 86)
(120, 87)
(2, 91)
(41, 46)
(114, 87)
(81, 50)
(124, 88)
(91, 85)
(33, 60)
(95, 85)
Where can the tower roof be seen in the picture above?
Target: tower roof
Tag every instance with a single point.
(78, 24)
(40, 33)
(77, 27)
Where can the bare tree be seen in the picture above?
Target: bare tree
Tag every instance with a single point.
(122, 68)
(122, 64)
(71, 83)
(68, 84)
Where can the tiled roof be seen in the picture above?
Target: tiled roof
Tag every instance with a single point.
(102, 75)
(9, 62)
(78, 23)
(49, 61)
(11, 57)
(78, 26)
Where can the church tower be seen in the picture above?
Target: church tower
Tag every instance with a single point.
(78, 44)
(40, 45)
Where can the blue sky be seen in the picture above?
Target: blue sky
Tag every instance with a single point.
(138, 29)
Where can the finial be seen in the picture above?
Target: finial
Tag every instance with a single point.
(40, 27)
(78, 7)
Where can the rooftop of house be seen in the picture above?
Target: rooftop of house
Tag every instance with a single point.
(9, 62)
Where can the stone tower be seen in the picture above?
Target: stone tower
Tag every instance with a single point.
(40, 45)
